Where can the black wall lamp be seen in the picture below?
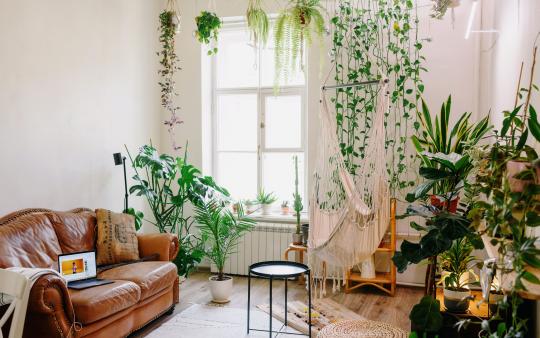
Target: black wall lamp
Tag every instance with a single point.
(118, 160)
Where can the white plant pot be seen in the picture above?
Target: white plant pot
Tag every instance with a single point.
(266, 209)
(221, 290)
(367, 269)
(456, 301)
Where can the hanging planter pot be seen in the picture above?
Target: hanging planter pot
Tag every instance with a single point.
(208, 25)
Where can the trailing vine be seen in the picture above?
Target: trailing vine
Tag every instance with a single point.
(373, 39)
(257, 22)
(168, 28)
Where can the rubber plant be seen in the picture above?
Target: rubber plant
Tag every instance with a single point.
(295, 28)
(168, 28)
(257, 22)
(208, 25)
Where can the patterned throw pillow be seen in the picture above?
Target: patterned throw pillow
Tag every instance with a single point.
(116, 238)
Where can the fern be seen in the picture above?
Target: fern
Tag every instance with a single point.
(295, 28)
(257, 22)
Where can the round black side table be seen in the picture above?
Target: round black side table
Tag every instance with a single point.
(279, 270)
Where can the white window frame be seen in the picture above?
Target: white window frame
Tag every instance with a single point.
(262, 93)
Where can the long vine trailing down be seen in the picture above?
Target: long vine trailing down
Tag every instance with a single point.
(374, 39)
(168, 28)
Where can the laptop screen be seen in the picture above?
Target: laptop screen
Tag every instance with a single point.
(77, 266)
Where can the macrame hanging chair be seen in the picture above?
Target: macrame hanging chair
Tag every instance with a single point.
(349, 212)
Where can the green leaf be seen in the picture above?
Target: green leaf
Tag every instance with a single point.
(434, 173)
(507, 122)
(530, 277)
(426, 315)
(534, 126)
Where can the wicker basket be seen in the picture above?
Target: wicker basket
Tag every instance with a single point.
(361, 329)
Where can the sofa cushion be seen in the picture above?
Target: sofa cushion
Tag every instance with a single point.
(75, 231)
(151, 277)
(95, 303)
(116, 238)
(30, 242)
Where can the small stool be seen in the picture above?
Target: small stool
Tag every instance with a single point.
(300, 248)
(279, 270)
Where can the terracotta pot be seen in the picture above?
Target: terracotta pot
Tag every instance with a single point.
(285, 210)
(221, 290)
(457, 301)
(441, 203)
(513, 168)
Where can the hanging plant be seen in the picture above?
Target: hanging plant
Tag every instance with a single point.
(441, 6)
(295, 27)
(208, 25)
(169, 26)
(258, 23)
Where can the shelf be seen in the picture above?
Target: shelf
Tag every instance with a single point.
(380, 277)
(481, 311)
(384, 249)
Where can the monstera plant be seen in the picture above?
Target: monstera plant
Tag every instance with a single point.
(169, 184)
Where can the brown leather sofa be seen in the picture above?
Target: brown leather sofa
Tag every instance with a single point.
(140, 293)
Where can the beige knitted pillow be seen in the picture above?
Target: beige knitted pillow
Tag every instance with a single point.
(116, 238)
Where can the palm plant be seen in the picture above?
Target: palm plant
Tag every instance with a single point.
(257, 21)
(221, 229)
(457, 261)
(295, 26)
(438, 137)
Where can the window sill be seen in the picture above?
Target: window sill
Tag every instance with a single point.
(277, 217)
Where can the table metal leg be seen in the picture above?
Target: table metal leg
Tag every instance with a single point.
(270, 307)
(285, 301)
(309, 301)
(249, 299)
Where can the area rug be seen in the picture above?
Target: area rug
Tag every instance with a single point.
(206, 321)
(325, 312)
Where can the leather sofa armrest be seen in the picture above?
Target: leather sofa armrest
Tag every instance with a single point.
(165, 245)
(50, 312)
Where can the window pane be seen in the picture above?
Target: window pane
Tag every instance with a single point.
(268, 68)
(278, 175)
(237, 122)
(283, 121)
(236, 60)
(238, 173)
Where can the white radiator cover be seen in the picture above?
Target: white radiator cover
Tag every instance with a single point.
(266, 242)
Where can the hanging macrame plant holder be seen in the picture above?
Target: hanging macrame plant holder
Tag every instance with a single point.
(176, 19)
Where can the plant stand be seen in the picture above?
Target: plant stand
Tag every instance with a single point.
(384, 281)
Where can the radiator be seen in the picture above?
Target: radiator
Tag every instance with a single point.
(267, 241)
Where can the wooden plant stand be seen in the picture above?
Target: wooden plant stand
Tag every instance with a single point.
(384, 281)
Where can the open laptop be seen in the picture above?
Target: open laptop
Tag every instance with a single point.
(79, 269)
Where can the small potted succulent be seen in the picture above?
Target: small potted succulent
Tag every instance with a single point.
(456, 264)
(266, 201)
(285, 208)
(221, 229)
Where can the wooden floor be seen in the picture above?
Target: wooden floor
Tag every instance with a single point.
(369, 302)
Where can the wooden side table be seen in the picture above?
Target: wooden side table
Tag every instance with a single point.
(296, 248)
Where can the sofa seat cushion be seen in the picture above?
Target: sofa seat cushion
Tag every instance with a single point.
(152, 277)
(95, 303)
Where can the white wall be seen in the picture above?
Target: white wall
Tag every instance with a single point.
(77, 82)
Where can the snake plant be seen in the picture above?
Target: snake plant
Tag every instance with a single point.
(295, 26)
(258, 23)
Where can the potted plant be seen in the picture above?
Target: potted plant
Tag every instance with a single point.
(439, 137)
(456, 262)
(297, 206)
(295, 26)
(208, 25)
(174, 184)
(220, 229)
(257, 22)
(250, 206)
(266, 201)
(285, 208)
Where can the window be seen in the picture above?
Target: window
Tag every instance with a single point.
(256, 132)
